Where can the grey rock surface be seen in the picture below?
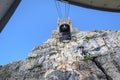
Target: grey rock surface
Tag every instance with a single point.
(90, 55)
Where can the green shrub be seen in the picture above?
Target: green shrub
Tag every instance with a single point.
(0, 67)
(90, 57)
(88, 38)
(5, 74)
(31, 58)
(46, 46)
(38, 66)
(31, 69)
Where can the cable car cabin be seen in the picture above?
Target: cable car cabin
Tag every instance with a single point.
(65, 33)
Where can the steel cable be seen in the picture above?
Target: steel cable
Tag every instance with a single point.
(65, 7)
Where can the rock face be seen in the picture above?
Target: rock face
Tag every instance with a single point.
(93, 55)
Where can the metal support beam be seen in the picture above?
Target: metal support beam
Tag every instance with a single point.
(7, 11)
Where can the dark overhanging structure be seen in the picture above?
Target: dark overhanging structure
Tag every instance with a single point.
(104, 5)
(7, 8)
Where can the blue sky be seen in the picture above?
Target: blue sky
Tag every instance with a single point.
(34, 20)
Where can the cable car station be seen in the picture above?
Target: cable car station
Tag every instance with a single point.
(65, 31)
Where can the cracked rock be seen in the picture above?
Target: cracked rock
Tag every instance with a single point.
(92, 55)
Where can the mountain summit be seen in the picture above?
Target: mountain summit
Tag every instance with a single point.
(89, 55)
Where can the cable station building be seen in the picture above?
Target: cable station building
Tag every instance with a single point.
(65, 31)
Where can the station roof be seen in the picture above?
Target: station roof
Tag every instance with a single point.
(105, 5)
(7, 8)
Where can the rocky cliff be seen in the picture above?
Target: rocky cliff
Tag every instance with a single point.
(90, 55)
